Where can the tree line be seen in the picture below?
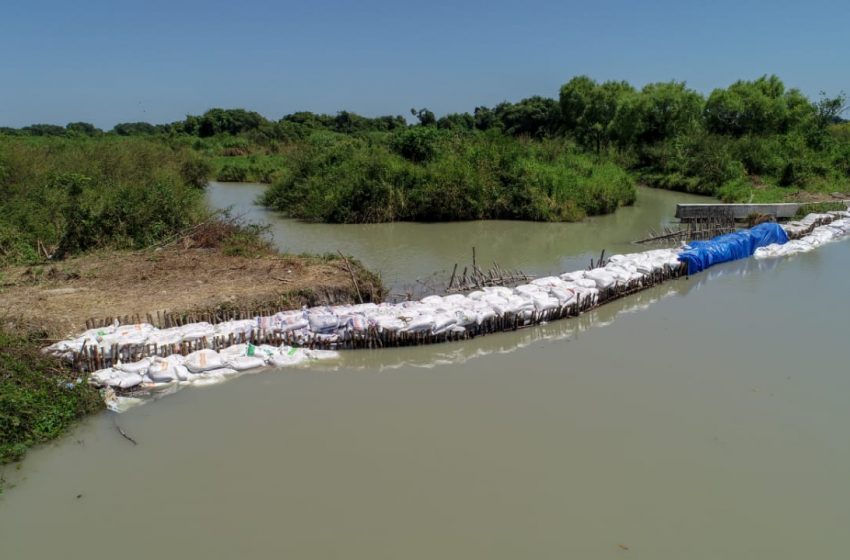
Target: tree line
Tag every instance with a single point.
(755, 140)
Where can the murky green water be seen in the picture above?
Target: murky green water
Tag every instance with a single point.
(707, 419)
(408, 254)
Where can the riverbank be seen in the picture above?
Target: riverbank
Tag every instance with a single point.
(58, 299)
(41, 397)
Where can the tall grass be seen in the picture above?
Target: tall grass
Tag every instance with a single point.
(65, 196)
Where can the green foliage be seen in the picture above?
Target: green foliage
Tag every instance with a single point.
(40, 397)
(418, 144)
(588, 109)
(819, 208)
(43, 130)
(134, 129)
(468, 176)
(752, 140)
(75, 195)
(82, 129)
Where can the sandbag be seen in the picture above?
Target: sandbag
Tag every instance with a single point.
(203, 360)
(163, 370)
(323, 322)
(288, 356)
(140, 367)
(242, 363)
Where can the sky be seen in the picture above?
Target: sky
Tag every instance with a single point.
(113, 61)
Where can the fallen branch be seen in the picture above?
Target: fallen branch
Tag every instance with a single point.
(123, 433)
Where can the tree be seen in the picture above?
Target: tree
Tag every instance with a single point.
(417, 144)
(486, 119)
(425, 116)
(659, 112)
(229, 121)
(588, 108)
(456, 121)
(44, 130)
(534, 116)
(83, 129)
(757, 107)
(134, 129)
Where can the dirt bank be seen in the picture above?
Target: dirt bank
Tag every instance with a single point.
(59, 298)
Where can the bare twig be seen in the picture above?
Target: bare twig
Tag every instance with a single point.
(123, 433)
(351, 272)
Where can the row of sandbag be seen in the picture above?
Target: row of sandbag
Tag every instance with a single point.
(798, 228)
(435, 315)
(432, 315)
(833, 231)
(202, 367)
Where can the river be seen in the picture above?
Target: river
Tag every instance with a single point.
(706, 420)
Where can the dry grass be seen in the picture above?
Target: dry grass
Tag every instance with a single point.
(59, 298)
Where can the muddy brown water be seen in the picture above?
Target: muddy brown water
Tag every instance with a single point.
(705, 418)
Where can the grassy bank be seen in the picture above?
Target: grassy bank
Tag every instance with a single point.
(65, 196)
(108, 226)
(40, 397)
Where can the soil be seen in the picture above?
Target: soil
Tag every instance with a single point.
(60, 298)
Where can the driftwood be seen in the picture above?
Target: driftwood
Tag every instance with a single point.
(123, 433)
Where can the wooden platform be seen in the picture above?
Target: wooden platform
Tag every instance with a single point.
(740, 211)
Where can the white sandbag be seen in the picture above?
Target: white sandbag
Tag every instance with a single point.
(465, 316)
(165, 337)
(363, 307)
(163, 370)
(528, 289)
(288, 356)
(565, 296)
(355, 322)
(196, 331)
(498, 290)
(203, 360)
(242, 363)
(388, 323)
(545, 302)
(602, 278)
(443, 321)
(549, 282)
(105, 377)
(129, 380)
(421, 323)
(483, 312)
(237, 327)
(573, 276)
(322, 322)
(456, 299)
(140, 367)
(585, 283)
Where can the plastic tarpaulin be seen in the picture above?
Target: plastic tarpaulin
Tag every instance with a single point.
(732, 246)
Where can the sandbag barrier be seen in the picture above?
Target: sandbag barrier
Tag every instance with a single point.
(95, 353)
(93, 358)
(128, 359)
(809, 234)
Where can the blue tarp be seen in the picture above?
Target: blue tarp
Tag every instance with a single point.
(732, 246)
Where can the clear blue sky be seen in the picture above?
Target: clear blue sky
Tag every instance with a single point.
(107, 62)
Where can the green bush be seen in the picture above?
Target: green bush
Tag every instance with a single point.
(72, 195)
(40, 397)
(468, 176)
